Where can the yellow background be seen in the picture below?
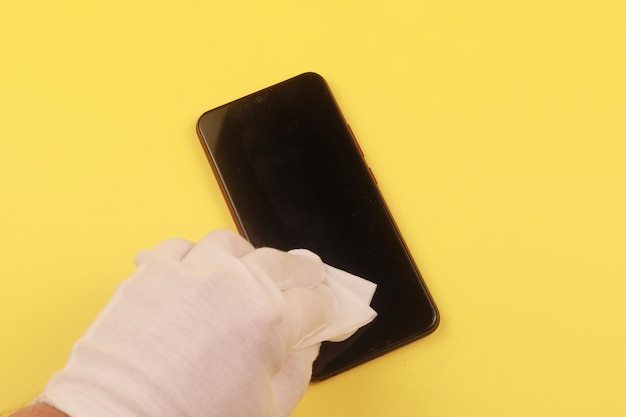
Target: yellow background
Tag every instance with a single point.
(495, 128)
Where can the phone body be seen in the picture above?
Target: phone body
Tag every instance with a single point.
(294, 176)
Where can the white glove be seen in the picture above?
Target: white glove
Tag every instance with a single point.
(213, 329)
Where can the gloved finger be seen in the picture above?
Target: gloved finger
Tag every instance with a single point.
(308, 311)
(305, 252)
(285, 270)
(292, 381)
(175, 248)
(217, 243)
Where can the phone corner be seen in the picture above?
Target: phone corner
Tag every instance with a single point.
(314, 76)
(435, 319)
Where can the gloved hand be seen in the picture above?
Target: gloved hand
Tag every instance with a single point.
(212, 329)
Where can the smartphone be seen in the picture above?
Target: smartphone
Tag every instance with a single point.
(294, 176)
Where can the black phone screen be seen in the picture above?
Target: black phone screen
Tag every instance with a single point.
(294, 177)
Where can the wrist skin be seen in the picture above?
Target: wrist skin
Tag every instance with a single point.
(39, 410)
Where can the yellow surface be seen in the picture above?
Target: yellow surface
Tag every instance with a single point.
(496, 130)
